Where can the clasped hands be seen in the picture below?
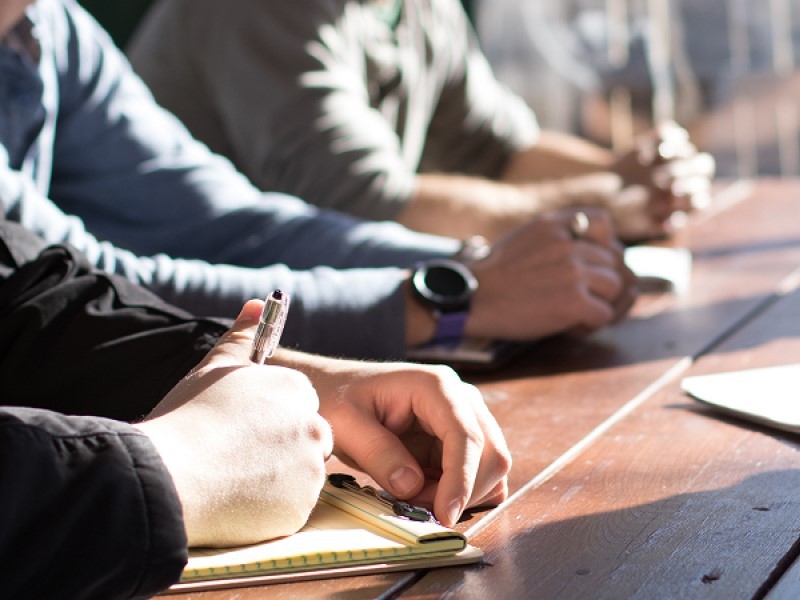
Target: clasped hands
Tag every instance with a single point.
(662, 175)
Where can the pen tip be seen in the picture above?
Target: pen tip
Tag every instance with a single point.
(277, 294)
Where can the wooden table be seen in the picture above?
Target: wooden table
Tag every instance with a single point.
(622, 487)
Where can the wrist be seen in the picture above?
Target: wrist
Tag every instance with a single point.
(329, 376)
(420, 321)
(424, 322)
(445, 288)
(178, 465)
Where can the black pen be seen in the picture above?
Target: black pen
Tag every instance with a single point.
(270, 326)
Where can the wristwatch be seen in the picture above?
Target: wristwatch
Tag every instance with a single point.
(446, 286)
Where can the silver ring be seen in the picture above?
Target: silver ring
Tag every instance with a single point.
(579, 225)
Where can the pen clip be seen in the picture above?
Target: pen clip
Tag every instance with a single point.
(270, 326)
(400, 508)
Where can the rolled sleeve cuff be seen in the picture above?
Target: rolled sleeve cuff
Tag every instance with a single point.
(167, 549)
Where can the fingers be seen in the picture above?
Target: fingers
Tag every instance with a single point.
(589, 224)
(497, 495)
(598, 250)
(427, 437)
(687, 181)
(235, 345)
(609, 285)
(491, 485)
(673, 141)
(642, 214)
(680, 169)
(376, 450)
(474, 455)
(624, 301)
(321, 430)
(540, 280)
(610, 290)
(666, 141)
(676, 178)
(697, 165)
(445, 407)
(462, 449)
(603, 281)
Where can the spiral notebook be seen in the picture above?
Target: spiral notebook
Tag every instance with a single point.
(351, 531)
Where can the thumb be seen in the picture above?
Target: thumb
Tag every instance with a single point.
(235, 345)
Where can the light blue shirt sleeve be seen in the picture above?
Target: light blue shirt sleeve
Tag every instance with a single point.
(129, 187)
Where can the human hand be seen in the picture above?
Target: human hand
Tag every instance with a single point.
(419, 431)
(244, 443)
(542, 279)
(664, 174)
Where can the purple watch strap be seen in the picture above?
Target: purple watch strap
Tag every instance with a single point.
(450, 327)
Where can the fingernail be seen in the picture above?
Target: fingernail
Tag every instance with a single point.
(249, 314)
(403, 481)
(453, 512)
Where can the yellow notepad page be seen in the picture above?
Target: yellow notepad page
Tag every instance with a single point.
(346, 529)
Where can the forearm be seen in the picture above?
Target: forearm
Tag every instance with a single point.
(356, 313)
(461, 206)
(557, 155)
(326, 374)
(328, 303)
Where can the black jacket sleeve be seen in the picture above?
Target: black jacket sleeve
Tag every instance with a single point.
(88, 509)
(78, 341)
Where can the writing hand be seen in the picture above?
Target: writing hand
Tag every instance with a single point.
(244, 443)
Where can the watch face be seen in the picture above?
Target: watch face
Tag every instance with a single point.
(446, 284)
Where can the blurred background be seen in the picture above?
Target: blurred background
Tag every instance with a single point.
(724, 69)
(606, 69)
